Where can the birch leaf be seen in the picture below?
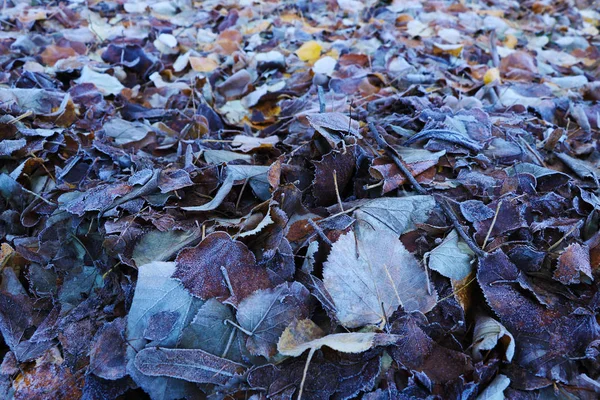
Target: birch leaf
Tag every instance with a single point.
(266, 313)
(451, 258)
(369, 274)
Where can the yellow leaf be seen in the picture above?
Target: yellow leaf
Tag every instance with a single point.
(452, 49)
(510, 41)
(491, 75)
(203, 64)
(309, 51)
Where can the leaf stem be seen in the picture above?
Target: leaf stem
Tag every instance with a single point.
(310, 355)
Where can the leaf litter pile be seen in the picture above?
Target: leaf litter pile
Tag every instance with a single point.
(283, 200)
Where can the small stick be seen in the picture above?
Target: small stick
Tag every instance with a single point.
(320, 232)
(237, 203)
(391, 152)
(20, 117)
(337, 190)
(492, 225)
(555, 245)
(321, 94)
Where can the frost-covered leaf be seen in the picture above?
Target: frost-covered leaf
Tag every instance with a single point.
(192, 365)
(107, 355)
(369, 275)
(160, 246)
(125, 132)
(396, 214)
(305, 335)
(451, 258)
(495, 390)
(574, 265)
(156, 292)
(220, 267)
(266, 313)
(107, 84)
(210, 332)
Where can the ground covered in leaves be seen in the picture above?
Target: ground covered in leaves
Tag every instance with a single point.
(282, 200)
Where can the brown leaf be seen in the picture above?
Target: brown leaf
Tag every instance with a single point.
(574, 265)
(220, 267)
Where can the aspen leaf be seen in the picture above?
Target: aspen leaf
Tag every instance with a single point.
(309, 51)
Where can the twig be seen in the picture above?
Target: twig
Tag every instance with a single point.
(20, 117)
(321, 94)
(459, 228)
(555, 245)
(320, 232)
(237, 203)
(337, 190)
(489, 232)
(393, 154)
(463, 287)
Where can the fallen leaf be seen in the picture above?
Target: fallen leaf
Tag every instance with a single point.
(489, 333)
(309, 51)
(451, 258)
(369, 275)
(107, 84)
(574, 265)
(266, 313)
(304, 335)
(192, 365)
(220, 267)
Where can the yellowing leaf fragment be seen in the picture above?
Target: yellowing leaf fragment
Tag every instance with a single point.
(203, 64)
(491, 75)
(309, 51)
(510, 41)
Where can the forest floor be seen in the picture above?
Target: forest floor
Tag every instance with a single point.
(294, 199)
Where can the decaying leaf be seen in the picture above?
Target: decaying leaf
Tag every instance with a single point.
(574, 265)
(186, 186)
(304, 335)
(256, 176)
(489, 333)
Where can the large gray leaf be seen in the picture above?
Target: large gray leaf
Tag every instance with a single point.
(396, 214)
(451, 258)
(256, 176)
(192, 365)
(157, 293)
(266, 313)
(369, 274)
